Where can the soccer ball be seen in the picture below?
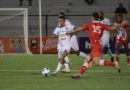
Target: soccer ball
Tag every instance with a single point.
(46, 71)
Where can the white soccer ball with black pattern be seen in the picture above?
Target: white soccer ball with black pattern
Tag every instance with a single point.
(46, 72)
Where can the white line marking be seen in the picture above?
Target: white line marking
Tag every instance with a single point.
(53, 70)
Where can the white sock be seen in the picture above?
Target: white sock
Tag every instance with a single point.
(59, 66)
(109, 52)
(85, 64)
(67, 59)
(101, 62)
(66, 65)
(83, 55)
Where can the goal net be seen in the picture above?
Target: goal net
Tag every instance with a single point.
(13, 31)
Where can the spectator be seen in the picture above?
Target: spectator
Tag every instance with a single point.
(120, 10)
(89, 2)
(21, 2)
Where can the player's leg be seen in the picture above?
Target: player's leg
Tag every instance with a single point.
(75, 47)
(127, 52)
(105, 43)
(117, 46)
(67, 61)
(103, 62)
(67, 64)
(83, 68)
(61, 62)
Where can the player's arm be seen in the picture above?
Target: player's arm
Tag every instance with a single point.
(76, 30)
(53, 36)
(118, 26)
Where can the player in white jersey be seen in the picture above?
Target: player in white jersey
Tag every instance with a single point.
(122, 38)
(74, 44)
(64, 44)
(106, 35)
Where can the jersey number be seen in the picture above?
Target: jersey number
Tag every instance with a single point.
(96, 29)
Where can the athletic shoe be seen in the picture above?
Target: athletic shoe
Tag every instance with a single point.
(128, 62)
(65, 70)
(117, 66)
(54, 73)
(75, 76)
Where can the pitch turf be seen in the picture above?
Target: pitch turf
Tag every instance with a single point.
(22, 72)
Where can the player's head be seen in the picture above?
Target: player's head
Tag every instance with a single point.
(119, 18)
(101, 15)
(61, 21)
(95, 16)
(120, 5)
(61, 14)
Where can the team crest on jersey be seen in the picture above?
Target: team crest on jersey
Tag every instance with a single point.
(67, 28)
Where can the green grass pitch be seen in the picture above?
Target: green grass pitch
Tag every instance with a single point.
(23, 72)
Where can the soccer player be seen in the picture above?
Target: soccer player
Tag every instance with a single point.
(106, 35)
(64, 43)
(122, 39)
(74, 43)
(95, 33)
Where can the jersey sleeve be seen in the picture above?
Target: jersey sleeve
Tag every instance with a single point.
(86, 26)
(106, 27)
(109, 22)
(67, 22)
(55, 31)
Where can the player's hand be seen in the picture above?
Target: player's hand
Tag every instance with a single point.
(125, 22)
(69, 33)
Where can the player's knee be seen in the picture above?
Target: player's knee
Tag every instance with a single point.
(106, 48)
(77, 53)
(96, 63)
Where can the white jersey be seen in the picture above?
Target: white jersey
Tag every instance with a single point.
(63, 39)
(106, 34)
(74, 41)
(107, 22)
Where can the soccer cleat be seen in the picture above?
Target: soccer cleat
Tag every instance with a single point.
(112, 59)
(54, 73)
(65, 70)
(90, 64)
(117, 66)
(75, 76)
(128, 62)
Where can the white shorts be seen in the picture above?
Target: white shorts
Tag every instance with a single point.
(105, 40)
(60, 52)
(74, 43)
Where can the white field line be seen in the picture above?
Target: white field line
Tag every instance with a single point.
(53, 70)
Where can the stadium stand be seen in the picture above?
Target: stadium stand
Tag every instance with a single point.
(70, 7)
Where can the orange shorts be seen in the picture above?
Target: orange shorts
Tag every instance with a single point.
(96, 49)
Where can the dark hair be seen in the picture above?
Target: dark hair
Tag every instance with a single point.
(61, 17)
(62, 13)
(101, 12)
(95, 15)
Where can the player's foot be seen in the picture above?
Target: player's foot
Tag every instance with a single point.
(112, 59)
(117, 66)
(76, 76)
(128, 63)
(54, 73)
(90, 64)
(66, 70)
